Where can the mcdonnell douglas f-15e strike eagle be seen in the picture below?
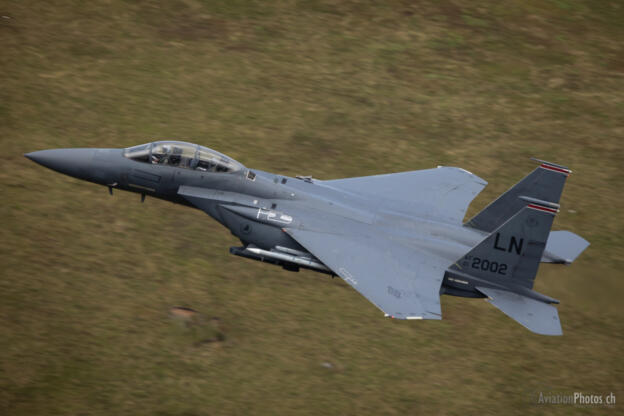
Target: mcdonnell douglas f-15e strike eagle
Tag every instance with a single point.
(398, 239)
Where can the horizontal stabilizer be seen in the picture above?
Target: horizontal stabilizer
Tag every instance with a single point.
(563, 247)
(539, 317)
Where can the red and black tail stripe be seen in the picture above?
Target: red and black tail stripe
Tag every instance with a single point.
(556, 169)
(543, 208)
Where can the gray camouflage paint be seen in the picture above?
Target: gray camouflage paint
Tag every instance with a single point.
(398, 239)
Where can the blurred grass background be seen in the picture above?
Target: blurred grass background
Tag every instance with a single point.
(328, 88)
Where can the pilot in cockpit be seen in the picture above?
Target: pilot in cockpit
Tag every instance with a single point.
(183, 155)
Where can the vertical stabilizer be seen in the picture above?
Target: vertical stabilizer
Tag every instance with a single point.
(511, 254)
(503, 267)
(544, 183)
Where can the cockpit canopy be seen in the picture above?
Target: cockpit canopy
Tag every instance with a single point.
(183, 155)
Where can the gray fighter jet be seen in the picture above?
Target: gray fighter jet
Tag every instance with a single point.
(398, 239)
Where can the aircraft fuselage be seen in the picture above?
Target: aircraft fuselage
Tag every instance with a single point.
(255, 205)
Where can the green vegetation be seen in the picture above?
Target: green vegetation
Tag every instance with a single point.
(329, 88)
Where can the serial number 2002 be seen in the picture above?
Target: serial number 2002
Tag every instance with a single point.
(491, 266)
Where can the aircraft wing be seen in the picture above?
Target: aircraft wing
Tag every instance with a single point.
(443, 193)
(402, 282)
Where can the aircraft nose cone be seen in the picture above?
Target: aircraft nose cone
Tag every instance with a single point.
(72, 162)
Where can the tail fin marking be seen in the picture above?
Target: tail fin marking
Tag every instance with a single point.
(511, 254)
(503, 267)
(544, 183)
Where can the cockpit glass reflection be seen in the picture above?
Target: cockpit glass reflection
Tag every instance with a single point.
(184, 155)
